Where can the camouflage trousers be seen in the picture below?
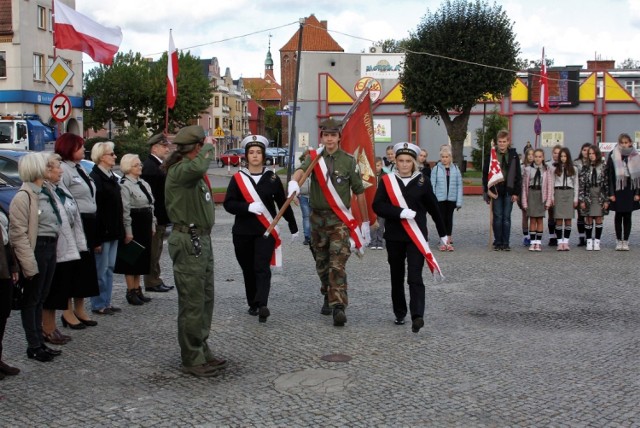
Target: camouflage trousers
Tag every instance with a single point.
(330, 243)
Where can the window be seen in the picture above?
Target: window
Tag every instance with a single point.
(42, 18)
(70, 65)
(38, 67)
(633, 86)
(216, 101)
(50, 20)
(217, 122)
(3, 64)
(413, 131)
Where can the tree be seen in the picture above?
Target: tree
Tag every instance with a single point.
(525, 64)
(493, 123)
(273, 124)
(630, 64)
(463, 52)
(392, 46)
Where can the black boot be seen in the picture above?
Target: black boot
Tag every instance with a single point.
(133, 299)
(339, 317)
(263, 314)
(142, 296)
(553, 242)
(326, 309)
(582, 242)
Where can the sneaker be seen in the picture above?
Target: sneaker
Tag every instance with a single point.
(497, 247)
(379, 248)
(526, 241)
(339, 317)
(566, 246)
(306, 241)
(532, 247)
(625, 245)
(442, 247)
(596, 245)
(589, 245)
(450, 247)
(506, 248)
(373, 247)
(399, 321)
(618, 245)
(538, 247)
(560, 247)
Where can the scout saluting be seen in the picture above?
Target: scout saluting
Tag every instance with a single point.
(250, 197)
(403, 199)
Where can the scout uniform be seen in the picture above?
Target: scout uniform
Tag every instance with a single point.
(329, 235)
(190, 207)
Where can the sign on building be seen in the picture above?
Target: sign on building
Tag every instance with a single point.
(551, 138)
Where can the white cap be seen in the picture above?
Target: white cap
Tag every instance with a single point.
(406, 149)
(254, 140)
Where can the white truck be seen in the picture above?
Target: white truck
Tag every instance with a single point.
(25, 132)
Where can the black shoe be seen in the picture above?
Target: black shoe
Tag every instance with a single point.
(50, 351)
(497, 248)
(399, 321)
(583, 242)
(339, 317)
(417, 324)
(263, 314)
(8, 370)
(306, 241)
(66, 323)
(506, 248)
(104, 311)
(160, 288)
(326, 309)
(88, 323)
(39, 354)
(142, 296)
(133, 299)
(253, 311)
(553, 242)
(113, 309)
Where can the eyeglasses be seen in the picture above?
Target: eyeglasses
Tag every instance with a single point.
(110, 154)
(135, 165)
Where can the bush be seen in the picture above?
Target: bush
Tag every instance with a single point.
(492, 124)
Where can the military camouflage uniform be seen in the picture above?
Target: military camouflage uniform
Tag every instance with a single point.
(189, 201)
(329, 235)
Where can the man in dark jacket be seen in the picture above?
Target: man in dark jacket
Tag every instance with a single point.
(505, 193)
(152, 174)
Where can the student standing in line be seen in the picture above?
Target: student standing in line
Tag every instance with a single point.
(527, 160)
(581, 162)
(592, 197)
(565, 197)
(551, 223)
(537, 196)
(446, 181)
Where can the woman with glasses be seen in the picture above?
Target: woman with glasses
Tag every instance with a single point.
(109, 226)
(139, 227)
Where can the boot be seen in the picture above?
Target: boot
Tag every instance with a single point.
(326, 309)
(142, 296)
(582, 242)
(553, 242)
(339, 317)
(133, 299)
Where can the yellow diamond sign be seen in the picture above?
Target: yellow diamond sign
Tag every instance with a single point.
(59, 74)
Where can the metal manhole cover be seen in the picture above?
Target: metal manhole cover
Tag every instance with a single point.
(336, 358)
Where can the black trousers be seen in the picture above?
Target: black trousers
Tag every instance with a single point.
(397, 253)
(446, 210)
(6, 294)
(254, 256)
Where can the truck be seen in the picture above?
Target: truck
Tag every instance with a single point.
(25, 132)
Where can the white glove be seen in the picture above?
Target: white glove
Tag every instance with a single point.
(294, 236)
(444, 240)
(292, 188)
(366, 232)
(256, 208)
(407, 213)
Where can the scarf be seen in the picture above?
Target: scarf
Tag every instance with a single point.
(632, 164)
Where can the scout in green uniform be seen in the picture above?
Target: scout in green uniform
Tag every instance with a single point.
(329, 235)
(190, 207)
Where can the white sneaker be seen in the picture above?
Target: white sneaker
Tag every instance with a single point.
(532, 247)
(625, 245)
(589, 244)
(596, 245)
(618, 245)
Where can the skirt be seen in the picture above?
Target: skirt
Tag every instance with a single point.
(535, 207)
(141, 226)
(594, 208)
(65, 277)
(563, 207)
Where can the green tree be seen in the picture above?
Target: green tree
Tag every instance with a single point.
(273, 124)
(630, 64)
(458, 55)
(493, 123)
(392, 46)
(525, 64)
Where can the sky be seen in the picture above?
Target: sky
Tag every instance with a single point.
(237, 32)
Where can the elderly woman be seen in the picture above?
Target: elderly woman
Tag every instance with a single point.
(109, 227)
(139, 227)
(80, 186)
(71, 242)
(33, 231)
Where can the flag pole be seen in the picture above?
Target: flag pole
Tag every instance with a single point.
(166, 111)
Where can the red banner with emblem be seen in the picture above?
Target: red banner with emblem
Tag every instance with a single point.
(357, 140)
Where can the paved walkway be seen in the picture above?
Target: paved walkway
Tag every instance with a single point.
(511, 339)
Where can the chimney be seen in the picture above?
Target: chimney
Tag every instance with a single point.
(601, 64)
(323, 24)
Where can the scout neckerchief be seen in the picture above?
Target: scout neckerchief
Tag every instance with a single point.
(335, 202)
(248, 189)
(410, 225)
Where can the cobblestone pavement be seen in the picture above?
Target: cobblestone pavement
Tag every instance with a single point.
(511, 339)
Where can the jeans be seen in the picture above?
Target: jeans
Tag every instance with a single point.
(105, 262)
(502, 206)
(306, 212)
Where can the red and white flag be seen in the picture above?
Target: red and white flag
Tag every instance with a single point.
(76, 32)
(495, 171)
(172, 73)
(543, 104)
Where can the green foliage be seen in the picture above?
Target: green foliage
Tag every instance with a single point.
(525, 64)
(630, 64)
(493, 123)
(131, 140)
(393, 46)
(446, 69)
(272, 124)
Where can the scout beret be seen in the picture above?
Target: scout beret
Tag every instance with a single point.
(406, 149)
(189, 135)
(330, 125)
(254, 140)
(157, 139)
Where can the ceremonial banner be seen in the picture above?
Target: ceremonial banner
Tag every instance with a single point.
(495, 173)
(172, 73)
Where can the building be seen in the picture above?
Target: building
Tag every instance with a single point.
(26, 53)
(265, 92)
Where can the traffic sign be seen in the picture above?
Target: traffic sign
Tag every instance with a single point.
(283, 112)
(59, 74)
(60, 107)
(218, 132)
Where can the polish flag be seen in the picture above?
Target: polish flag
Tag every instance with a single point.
(495, 171)
(172, 73)
(544, 86)
(76, 32)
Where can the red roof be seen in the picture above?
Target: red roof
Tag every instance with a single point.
(266, 87)
(315, 37)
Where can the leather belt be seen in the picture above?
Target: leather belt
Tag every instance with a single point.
(186, 229)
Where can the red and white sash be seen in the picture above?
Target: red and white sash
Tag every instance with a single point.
(335, 202)
(250, 195)
(409, 224)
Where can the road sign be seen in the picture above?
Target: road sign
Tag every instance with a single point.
(60, 107)
(218, 132)
(283, 113)
(59, 74)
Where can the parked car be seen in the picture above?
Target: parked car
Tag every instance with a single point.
(7, 192)
(233, 157)
(271, 156)
(9, 166)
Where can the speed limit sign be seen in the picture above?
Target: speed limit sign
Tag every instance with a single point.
(60, 107)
